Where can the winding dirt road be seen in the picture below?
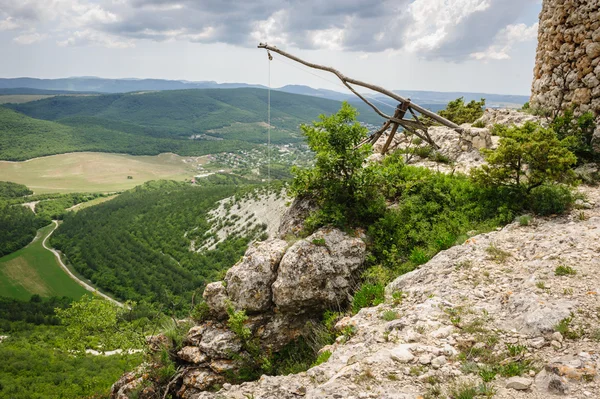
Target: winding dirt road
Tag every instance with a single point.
(77, 280)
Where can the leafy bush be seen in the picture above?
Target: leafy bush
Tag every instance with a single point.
(526, 157)
(580, 132)
(550, 199)
(564, 270)
(459, 112)
(343, 189)
(368, 295)
(322, 358)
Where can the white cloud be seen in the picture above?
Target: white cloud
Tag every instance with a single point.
(30, 38)
(505, 40)
(8, 24)
(90, 37)
(434, 20)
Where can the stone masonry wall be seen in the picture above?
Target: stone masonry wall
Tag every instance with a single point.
(567, 68)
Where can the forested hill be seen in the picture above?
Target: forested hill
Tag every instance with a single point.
(22, 137)
(185, 122)
(185, 112)
(137, 246)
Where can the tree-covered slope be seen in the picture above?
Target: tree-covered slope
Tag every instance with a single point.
(23, 137)
(136, 247)
(184, 112)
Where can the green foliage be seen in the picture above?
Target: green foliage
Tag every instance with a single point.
(389, 315)
(550, 199)
(368, 295)
(526, 157)
(488, 374)
(22, 138)
(33, 367)
(580, 132)
(201, 312)
(18, 226)
(135, 246)
(459, 112)
(322, 358)
(15, 314)
(342, 187)
(524, 220)
(13, 190)
(464, 390)
(156, 122)
(319, 242)
(99, 324)
(564, 270)
(237, 323)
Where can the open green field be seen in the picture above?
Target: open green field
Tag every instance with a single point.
(34, 270)
(96, 172)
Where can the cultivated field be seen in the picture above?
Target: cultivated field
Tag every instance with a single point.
(97, 172)
(34, 270)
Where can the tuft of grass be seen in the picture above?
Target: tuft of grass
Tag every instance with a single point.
(487, 374)
(564, 270)
(390, 315)
(322, 358)
(368, 295)
(319, 242)
(479, 124)
(515, 350)
(497, 254)
(524, 220)
(464, 390)
(564, 327)
(541, 285)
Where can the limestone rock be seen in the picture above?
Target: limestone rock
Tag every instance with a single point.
(158, 342)
(196, 380)
(519, 383)
(249, 281)
(318, 272)
(219, 343)
(215, 296)
(292, 221)
(128, 383)
(192, 354)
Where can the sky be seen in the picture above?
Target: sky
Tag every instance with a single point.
(439, 45)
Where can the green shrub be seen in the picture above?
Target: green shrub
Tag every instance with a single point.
(579, 131)
(564, 270)
(524, 220)
(479, 124)
(527, 157)
(389, 315)
(459, 112)
(322, 358)
(368, 295)
(550, 199)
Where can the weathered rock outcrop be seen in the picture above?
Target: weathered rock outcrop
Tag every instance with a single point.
(292, 221)
(567, 69)
(318, 273)
(249, 282)
(464, 305)
(280, 288)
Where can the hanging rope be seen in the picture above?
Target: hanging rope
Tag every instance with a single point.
(269, 122)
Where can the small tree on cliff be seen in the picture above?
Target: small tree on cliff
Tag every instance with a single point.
(527, 157)
(338, 181)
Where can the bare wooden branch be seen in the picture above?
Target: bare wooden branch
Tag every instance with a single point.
(347, 80)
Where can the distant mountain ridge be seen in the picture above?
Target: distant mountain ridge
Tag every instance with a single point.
(102, 85)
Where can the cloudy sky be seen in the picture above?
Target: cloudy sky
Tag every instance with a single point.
(441, 45)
